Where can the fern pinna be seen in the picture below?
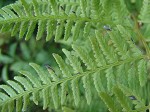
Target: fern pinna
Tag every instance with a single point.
(110, 65)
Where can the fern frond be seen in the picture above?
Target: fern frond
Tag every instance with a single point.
(54, 18)
(24, 86)
(87, 72)
(112, 68)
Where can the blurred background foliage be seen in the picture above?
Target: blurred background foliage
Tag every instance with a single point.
(15, 53)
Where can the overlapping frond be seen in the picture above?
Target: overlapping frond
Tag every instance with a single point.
(115, 11)
(145, 12)
(56, 18)
(108, 64)
(125, 99)
(60, 19)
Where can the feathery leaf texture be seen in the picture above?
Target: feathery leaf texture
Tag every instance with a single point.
(50, 86)
(56, 18)
(125, 98)
(111, 64)
(109, 101)
(145, 12)
(135, 97)
(142, 70)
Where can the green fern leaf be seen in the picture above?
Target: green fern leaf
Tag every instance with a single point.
(121, 76)
(142, 72)
(36, 9)
(41, 24)
(110, 79)
(109, 101)
(99, 60)
(75, 63)
(121, 98)
(83, 7)
(55, 97)
(64, 89)
(54, 6)
(16, 86)
(25, 102)
(65, 70)
(132, 77)
(87, 29)
(107, 51)
(50, 28)
(26, 8)
(77, 30)
(98, 82)
(23, 29)
(45, 94)
(27, 85)
(86, 85)
(138, 101)
(66, 109)
(96, 8)
(59, 30)
(85, 57)
(4, 96)
(98, 53)
(120, 44)
(145, 14)
(18, 104)
(23, 17)
(9, 90)
(75, 90)
(68, 29)
(31, 28)
(36, 97)
(52, 72)
(15, 29)
(35, 82)
(43, 76)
